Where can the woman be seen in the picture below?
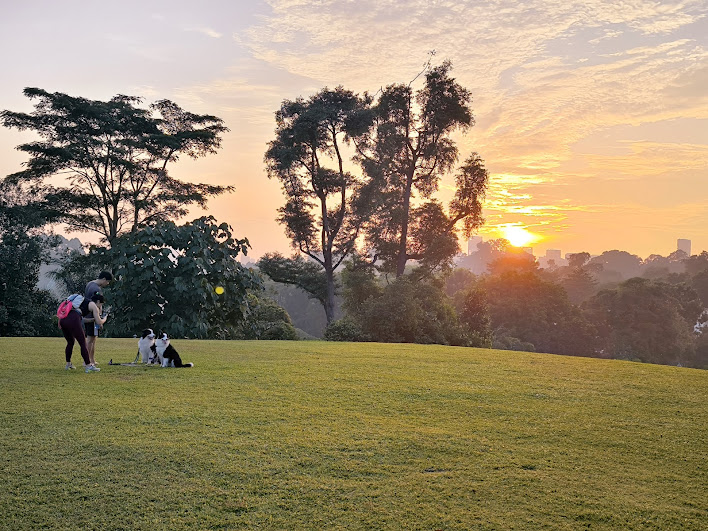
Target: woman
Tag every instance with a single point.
(72, 327)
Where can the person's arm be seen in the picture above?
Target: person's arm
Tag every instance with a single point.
(97, 314)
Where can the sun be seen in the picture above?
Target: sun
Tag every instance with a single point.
(519, 236)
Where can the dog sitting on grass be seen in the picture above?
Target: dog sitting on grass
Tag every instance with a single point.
(146, 347)
(167, 354)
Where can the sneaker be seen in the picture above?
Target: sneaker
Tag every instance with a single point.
(69, 366)
(92, 368)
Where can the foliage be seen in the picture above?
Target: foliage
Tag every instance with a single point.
(322, 435)
(114, 156)
(616, 266)
(646, 320)
(24, 310)
(697, 263)
(579, 283)
(474, 315)
(266, 320)
(410, 311)
(361, 284)
(344, 329)
(306, 275)
(319, 216)
(406, 151)
(524, 306)
(165, 279)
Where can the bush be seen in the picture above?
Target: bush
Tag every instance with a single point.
(344, 329)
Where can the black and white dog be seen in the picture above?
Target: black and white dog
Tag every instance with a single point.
(146, 347)
(167, 354)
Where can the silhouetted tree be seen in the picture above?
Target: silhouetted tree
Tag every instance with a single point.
(114, 158)
(617, 265)
(408, 149)
(319, 214)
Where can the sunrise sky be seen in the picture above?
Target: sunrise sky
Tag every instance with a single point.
(591, 116)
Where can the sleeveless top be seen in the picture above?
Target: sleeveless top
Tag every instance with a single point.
(85, 312)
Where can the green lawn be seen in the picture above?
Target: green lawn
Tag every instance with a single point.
(317, 435)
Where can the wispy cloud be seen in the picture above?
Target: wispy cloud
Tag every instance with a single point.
(206, 31)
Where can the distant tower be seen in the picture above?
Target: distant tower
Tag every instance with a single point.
(684, 245)
(472, 244)
(554, 254)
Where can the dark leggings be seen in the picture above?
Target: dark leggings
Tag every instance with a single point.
(73, 328)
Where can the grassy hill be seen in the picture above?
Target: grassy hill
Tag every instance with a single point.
(316, 435)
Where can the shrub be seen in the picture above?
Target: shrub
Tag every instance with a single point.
(344, 329)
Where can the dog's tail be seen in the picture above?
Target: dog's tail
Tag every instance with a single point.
(186, 365)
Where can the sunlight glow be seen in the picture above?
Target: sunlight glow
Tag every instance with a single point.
(519, 236)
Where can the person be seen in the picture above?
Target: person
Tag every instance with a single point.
(93, 287)
(96, 286)
(73, 330)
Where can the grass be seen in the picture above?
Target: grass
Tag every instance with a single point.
(316, 435)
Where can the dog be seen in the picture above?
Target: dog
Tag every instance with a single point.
(146, 347)
(167, 354)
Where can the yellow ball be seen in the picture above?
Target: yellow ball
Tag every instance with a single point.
(219, 290)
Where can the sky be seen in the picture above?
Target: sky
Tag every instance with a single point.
(591, 116)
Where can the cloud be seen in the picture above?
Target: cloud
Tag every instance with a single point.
(206, 31)
(545, 75)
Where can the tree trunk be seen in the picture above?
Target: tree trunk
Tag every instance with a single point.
(329, 302)
(403, 242)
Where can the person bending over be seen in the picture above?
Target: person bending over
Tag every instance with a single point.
(73, 330)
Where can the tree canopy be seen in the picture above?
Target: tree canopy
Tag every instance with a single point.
(114, 157)
(406, 151)
(166, 277)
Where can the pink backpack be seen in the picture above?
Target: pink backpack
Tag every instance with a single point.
(71, 303)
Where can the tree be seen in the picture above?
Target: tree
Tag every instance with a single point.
(696, 263)
(24, 310)
(166, 279)
(647, 320)
(266, 320)
(617, 265)
(524, 306)
(410, 311)
(406, 151)
(319, 214)
(114, 156)
(304, 274)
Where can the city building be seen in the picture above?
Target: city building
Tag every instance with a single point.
(684, 245)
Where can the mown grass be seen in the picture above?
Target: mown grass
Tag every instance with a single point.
(316, 435)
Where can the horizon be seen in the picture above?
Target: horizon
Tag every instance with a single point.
(591, 119)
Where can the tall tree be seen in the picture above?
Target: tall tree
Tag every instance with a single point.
(306, 157)
(407, 150)
(114, 157)
(24, 310)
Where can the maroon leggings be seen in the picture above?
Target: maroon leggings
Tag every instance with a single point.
(73, 328)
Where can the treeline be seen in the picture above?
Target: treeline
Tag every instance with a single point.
(572, 310)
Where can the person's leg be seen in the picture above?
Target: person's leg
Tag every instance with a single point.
(75, 327)
(81, 339)
(91, 346)
(69, 342)
(90, 341)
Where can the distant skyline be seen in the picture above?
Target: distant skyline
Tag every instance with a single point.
(592, 116)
